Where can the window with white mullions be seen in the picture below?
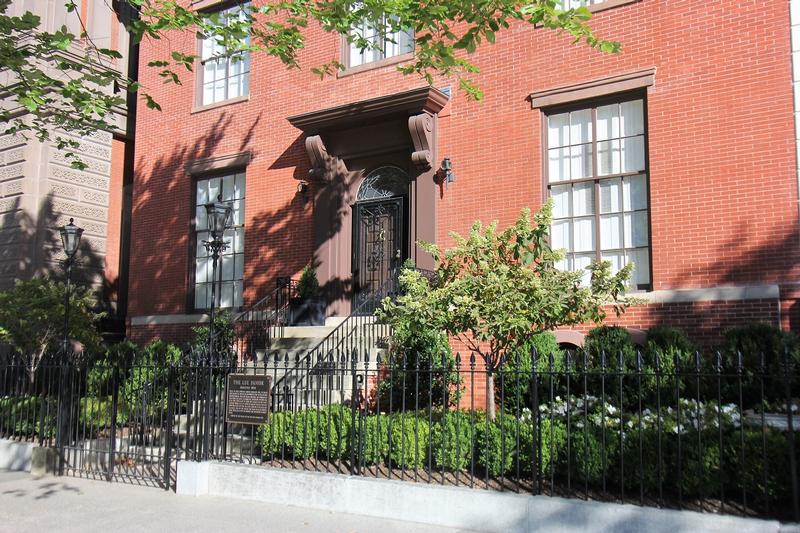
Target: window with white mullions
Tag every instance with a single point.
(224, 75)
(572, 4)
(382, 41)
(597, 177)
(230, 268)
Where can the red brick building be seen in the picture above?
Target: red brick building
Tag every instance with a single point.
(678, 153)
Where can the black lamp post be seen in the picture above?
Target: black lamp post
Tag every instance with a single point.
(70, 238)
(218, 217)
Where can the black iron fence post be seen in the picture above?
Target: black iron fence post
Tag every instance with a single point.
(537, 441)
(207, 413)
(64, 408)
(168, 430)
(114, 407)
(787, 375)
(353, 401)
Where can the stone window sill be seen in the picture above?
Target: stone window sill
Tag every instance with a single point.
(376, 64)
(610, 4)
(217, 105)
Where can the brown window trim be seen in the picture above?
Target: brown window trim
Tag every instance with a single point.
(596, 88)
(593, 104)
(219, 5)
(210, 167)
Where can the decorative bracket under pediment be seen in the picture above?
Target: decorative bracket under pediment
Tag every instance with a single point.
(421, 129)
(324, 166)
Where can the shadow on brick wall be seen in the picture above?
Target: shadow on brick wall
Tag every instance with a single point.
(30, 246)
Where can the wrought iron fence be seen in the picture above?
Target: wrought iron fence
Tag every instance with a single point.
(716, 434)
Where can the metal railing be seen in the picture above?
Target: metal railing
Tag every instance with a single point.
(257, 327)
(360, 332)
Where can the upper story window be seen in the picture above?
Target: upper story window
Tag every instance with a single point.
(224, 75)
(230, 268)
(571, 4)
(383, 42)
(597, 176)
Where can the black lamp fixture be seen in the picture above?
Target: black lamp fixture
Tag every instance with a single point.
(445, 173)
(302, 190)
(218, 219)
(70, 239)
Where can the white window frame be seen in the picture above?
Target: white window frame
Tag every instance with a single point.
(582, 162)
(230, 267)
(231, 73)
(384, 45)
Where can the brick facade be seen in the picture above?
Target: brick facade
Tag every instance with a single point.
(722, 157)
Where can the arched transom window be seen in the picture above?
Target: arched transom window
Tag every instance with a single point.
(383, 182)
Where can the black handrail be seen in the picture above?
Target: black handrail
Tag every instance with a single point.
(256, 327)
(349, 336)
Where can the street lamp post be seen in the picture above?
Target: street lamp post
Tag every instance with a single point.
(70, 238)
(218, 219)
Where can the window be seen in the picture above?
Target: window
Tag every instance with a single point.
(224, 75)
(383, 43)
(570, 4)
(230, 268)
(597, 177)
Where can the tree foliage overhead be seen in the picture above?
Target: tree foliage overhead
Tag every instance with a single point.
(62, 81)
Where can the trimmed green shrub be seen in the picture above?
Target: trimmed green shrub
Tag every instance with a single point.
(664, 347)
(373, 441)
(515, 375)
(96, 412)
(453, 439)
(409, 438)
(755, 341)
(335, 431)
(223, 332)
(148, 379)
(746, 471)
(497, 444)
(101, 371)
(23, 415)
(308, 284)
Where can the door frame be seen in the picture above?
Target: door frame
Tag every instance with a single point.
(402, 236)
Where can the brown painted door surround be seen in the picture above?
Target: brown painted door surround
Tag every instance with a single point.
(345, 144)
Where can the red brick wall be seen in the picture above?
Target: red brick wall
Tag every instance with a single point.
(723, 185)
(179, 334)
(704, 322)
(114, 232)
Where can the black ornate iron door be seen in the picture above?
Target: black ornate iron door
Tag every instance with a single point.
(378, 246)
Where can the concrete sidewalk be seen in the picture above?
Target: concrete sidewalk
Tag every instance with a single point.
(67, 504)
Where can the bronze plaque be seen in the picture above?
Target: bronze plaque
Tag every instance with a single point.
(247, 399)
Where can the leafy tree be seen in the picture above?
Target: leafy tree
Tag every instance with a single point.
(32, 319)
(494, 289)
(224, 335)
(65, 81)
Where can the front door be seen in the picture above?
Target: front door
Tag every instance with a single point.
(378, 248)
